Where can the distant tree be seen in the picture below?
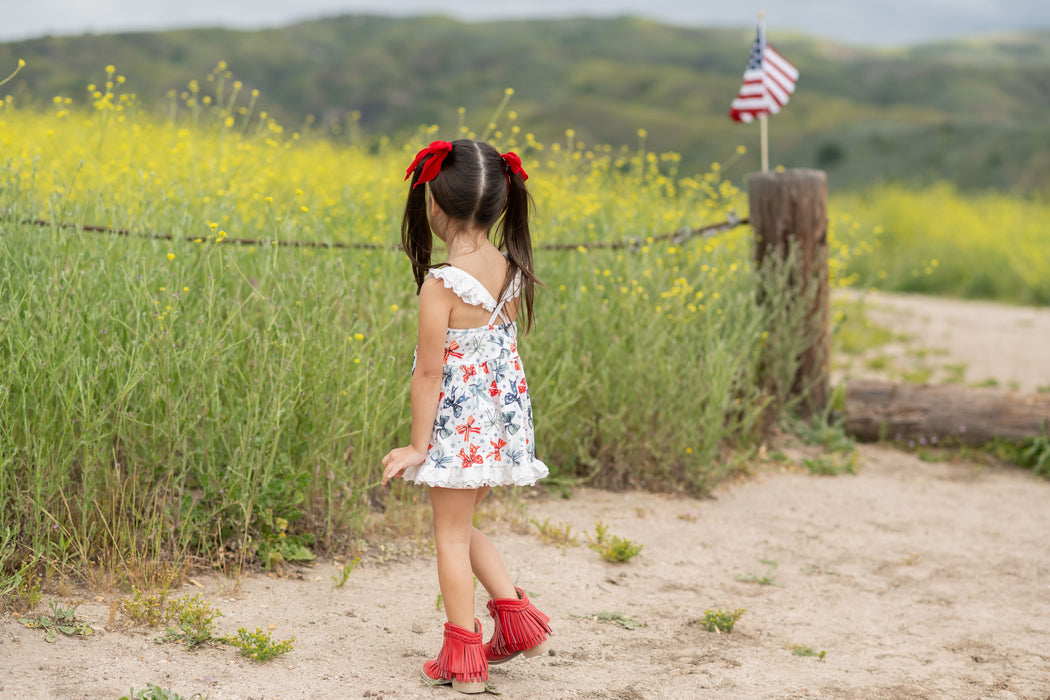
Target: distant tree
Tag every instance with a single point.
(829, 155)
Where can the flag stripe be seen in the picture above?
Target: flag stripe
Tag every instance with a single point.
(769, 82)
(754, 103)
(773, 75)
(775, 93)
(781, 63)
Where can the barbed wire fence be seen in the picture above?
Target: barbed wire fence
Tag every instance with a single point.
(631, 243)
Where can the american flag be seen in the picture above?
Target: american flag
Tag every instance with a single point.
(769, 80)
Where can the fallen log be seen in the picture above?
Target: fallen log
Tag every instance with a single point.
(883, 411)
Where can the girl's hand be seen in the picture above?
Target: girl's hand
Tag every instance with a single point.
(399, 459)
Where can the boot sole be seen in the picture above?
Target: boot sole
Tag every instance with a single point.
(540, 648)
(470, 688)
(537, 650)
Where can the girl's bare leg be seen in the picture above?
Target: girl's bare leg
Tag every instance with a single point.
(453, 535)
(486, 563)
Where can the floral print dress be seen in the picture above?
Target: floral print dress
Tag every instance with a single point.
(483, 433)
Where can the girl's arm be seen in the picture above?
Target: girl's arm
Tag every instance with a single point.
(435, 306)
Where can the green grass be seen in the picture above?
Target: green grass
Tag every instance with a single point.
(1033, 453)
(879, 362)
(559, 534)
(613, 618)
(832, 464)
(21, 589)
(133, 432)
(854, 333)
(763, 580)
(803, 650)
(822, 431)
(1029, 453)
(954, 373)
(339, 580)
(917, 375)
(134, 402)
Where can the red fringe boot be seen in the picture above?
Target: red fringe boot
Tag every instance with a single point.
(520, 629)
(460, 662)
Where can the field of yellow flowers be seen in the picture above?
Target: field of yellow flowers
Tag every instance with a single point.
(936, 240)
(168, 393)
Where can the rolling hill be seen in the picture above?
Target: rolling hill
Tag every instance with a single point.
(968, 111)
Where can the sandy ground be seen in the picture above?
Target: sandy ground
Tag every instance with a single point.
(917, 580)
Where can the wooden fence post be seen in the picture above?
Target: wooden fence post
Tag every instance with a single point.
(789, 212)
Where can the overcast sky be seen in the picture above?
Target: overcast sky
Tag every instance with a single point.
(874, 22)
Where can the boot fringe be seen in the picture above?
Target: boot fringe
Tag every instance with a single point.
(519, 626)
(461, 657)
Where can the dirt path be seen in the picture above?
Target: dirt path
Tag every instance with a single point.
(967, 342)
(917, 580)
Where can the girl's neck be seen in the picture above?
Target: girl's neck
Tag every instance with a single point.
(466, 243)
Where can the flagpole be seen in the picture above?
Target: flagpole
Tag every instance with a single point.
(764, 127)
(765, 142)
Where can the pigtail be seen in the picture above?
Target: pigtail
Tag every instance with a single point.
(514, 237)
(415, 231)
(463, 178)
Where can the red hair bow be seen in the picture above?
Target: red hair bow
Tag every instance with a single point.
(514, 164)
(437, 150)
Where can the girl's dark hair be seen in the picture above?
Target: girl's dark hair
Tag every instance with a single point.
(474, 187)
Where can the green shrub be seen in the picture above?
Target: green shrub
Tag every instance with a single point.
(613, 548)
(62, 620)
(560, 534)
(803, 650)
(720, 620)
(258, 645)
(145, 608)
(155, 692)
(193, 618)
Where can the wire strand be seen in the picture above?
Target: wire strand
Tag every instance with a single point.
(632, 243)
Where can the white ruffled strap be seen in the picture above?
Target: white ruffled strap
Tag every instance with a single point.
(465, 286)
(512, 291)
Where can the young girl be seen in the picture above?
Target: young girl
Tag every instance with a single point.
(471, 415)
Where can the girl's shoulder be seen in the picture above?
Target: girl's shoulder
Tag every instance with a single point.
(464, 285)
